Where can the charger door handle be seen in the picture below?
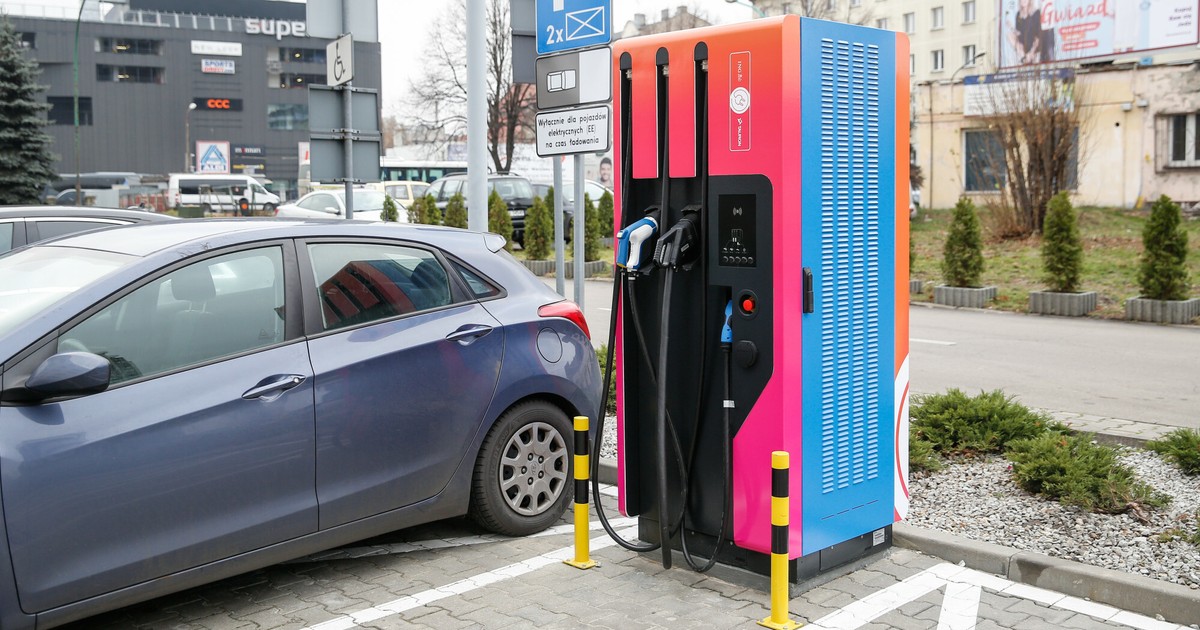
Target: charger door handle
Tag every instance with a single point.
(809, 298)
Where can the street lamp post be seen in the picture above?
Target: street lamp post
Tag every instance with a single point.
(966, 64)
(187, 138)
(75, 89)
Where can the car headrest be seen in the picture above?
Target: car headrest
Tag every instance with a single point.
(193, 284)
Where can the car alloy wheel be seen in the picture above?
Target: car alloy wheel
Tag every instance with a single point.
(533, 469)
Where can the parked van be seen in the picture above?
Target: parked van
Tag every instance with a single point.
(242, 194)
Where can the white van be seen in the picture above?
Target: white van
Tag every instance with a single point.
(220, 193)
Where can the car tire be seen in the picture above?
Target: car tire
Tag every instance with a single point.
(207, 209)
(522, 482)
(269, 209)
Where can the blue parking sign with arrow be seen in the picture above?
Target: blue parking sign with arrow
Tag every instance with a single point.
(570, 24)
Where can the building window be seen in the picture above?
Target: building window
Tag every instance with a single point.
(910, 22)
(126, 46)
(939, 61)
(62, 110)
(302, 55)
(831, 5)
(969, 12)
(290, 80)
(28, 40)
(968, 56)
(984, 160)
(1184, 140)
(856, 3)
(288, 116)
(936, 16)
(881, 23)
(129, 74)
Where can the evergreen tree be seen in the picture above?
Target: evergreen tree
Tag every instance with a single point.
(416, 209)
(389, 210)
(456, 212)
(499, 221)
(26, 163)
(433, 214)
(539, 231)
(1062, 249)
(962, 255)
(605, 214)
(591, 230)
(1163, 273)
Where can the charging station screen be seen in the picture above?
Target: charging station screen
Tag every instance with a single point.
(735, 224)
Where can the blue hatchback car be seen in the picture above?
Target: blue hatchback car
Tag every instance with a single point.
(184, 401)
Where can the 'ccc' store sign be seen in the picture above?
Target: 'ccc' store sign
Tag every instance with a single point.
(219, 104)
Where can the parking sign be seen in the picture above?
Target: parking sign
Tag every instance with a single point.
(570, 24)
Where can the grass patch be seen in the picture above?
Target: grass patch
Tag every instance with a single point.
(1112, 245)
(954, 423)
(1182, 447)
(602, 355)
(1075, 471)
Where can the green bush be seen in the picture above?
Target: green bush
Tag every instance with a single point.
(601, 355)
(921, 455)
(962, 255)
(591, 230)
(1075, 471)
(605, 214)
(1062, 248)
(417, 212)
(539, 231)
(1163, 272)
(1181, 446)
(390, 213)
(456, 212)
(499, 221)
(954, 423)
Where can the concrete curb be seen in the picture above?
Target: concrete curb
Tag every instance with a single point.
(1176, 603)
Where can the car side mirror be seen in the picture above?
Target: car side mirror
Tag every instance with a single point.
(70, 374)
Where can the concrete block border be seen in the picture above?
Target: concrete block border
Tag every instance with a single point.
(1176, 603)
(965, 297)
(1064, 304)
(546, 267)
(1162, 311)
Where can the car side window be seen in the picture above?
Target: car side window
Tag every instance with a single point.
(51, 229)
(217, 307)
(365, 282)
(452, 187)
(480, 287)
(436, 189)
(6, 237)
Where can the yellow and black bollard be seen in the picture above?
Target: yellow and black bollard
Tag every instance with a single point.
(582, 544)
(780, 512)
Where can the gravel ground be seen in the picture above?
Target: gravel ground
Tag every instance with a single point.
(978, 499)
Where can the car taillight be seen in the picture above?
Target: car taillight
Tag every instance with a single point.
(567, 310)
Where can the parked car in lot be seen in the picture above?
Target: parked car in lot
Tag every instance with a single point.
(28, 224)
(185, 401)
(516, 191)
(404, 193)
(328, 204)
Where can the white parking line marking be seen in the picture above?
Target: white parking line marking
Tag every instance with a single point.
(409, 602)
(444, 543)
(933, 341)
(960, 607)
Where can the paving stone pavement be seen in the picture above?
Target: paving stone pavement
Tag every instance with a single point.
(451, 575)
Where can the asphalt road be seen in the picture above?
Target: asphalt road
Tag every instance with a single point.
(1143, 372)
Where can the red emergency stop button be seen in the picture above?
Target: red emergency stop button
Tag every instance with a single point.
(748, 305)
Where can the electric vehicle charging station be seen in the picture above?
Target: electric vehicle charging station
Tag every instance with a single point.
(762, 302)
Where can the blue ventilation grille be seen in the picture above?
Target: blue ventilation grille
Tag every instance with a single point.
(850, 318)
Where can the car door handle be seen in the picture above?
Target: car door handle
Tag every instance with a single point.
(466, 335)
(277, 386)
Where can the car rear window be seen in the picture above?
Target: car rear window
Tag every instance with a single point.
(480, 287)
(512, 188)
(33, 279)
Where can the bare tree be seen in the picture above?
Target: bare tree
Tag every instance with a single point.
(439, 96)
(1038, 126)
(835, 10)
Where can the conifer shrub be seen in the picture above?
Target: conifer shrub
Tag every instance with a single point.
(456, 212)
(1062, 248)
(26, 159)
(539, 231)
(1163, 272)
(1074, 470)
(955, 423)
(962, 255)
(390, 213)
(591, 230)
(499, 221)
(604, 210)
(1182, 447)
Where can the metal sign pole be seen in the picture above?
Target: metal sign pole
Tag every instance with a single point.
(580, 218)
(477, 197)
(559, 241)
(347, 122)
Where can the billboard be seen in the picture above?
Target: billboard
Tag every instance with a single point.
(1046, 31)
